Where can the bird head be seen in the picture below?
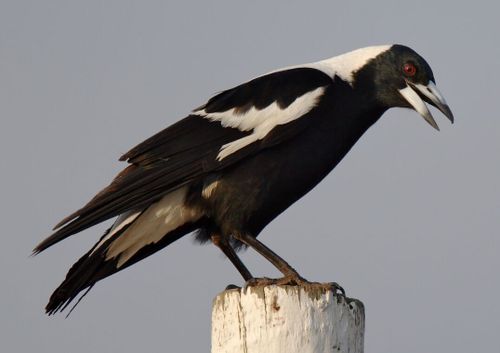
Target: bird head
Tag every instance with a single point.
(402, 78)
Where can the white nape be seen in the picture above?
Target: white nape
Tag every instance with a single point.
(344, 65)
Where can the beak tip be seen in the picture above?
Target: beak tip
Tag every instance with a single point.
(435, 98)
(447, 112)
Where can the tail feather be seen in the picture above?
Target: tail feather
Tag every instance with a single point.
(135, 235)
(94, 266)
(80, 276)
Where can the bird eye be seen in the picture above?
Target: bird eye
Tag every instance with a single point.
(409, 69)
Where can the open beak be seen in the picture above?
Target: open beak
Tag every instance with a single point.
(416, 94)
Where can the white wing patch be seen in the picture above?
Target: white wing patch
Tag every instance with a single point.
(262, 121)
(152, 225)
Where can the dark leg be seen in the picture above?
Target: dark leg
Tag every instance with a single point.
(291, 276)
(270, 255)
(228, 250)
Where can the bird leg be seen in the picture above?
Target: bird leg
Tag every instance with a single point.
(222, 243)
(290, 275)
(288, 271)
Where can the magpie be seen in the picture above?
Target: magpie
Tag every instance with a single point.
(235, 163)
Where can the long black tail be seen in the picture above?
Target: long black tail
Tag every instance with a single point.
(95, 265)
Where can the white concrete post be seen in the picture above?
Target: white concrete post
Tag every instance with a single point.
(286, 319)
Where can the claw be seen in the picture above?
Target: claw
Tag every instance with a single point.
(294, 280)
(262, 282)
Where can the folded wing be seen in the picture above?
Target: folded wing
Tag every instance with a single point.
(228, 128)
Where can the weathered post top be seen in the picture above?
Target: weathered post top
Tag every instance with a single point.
(286, 319)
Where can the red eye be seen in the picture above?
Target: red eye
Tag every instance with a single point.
(409, 69)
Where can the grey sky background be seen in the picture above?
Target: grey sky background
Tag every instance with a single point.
(408, 222)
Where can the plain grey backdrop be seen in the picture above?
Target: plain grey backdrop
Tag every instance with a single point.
(408, 222)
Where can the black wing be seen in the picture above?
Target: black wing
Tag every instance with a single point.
(188, 149)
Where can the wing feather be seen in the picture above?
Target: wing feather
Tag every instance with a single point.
(188, 149)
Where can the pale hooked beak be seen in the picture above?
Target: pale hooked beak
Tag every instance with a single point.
(415, 94)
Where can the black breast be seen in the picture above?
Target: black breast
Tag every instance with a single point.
(254, 191)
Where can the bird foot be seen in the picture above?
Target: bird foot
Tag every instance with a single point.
(261, 282)
(295, 280)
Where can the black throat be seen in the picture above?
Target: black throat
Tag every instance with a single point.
(346, 113)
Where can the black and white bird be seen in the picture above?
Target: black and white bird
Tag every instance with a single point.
(238, 161)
